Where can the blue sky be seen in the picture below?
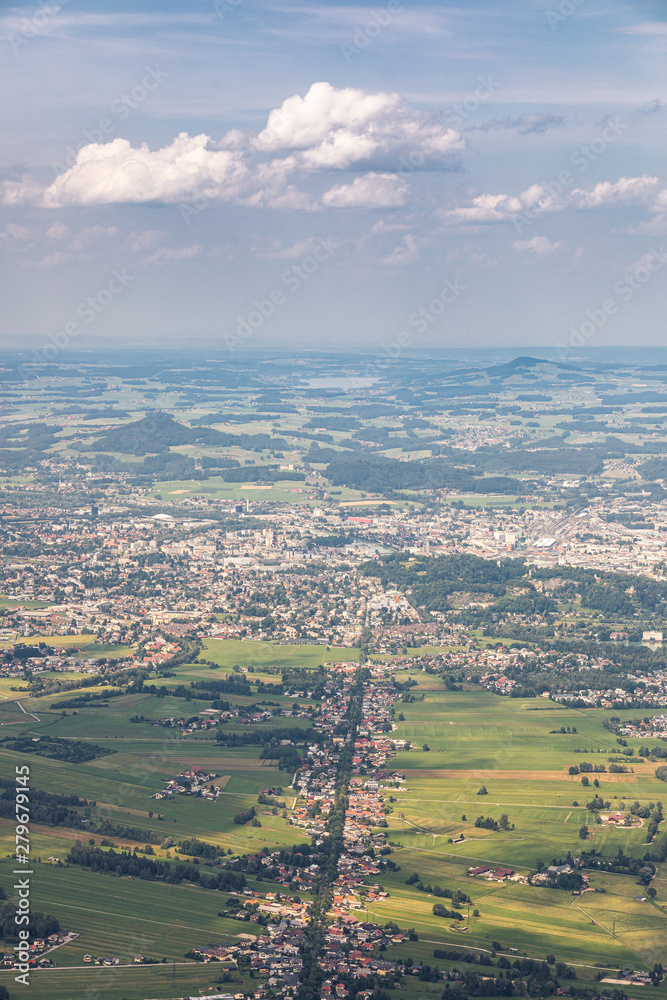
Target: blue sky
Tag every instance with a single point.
(245, 175)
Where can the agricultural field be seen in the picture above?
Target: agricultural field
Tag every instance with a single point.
(505, 749)
(247, 653)
(472, 753)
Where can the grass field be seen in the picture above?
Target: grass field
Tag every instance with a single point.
(60, 641)
(506, 745)
(123, 917)
(134, 983)
(11, 602)
(246, 653)
(476, 739)
(287, 491)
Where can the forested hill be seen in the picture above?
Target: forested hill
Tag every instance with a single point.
(517, 587)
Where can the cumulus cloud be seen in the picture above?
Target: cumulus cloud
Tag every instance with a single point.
(492, 208)
(332, 128)
(116, 172)
(327, 129)
(538, 245)
(624, 191)
(486, 209)
(369, 191)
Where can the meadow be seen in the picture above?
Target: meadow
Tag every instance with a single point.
(510, 747)
(505, 749)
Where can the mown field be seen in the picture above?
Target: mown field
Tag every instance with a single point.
(481, 741)
(128, 983)
(476, 739)
(534, 920)
(249, 653)
(124, 917)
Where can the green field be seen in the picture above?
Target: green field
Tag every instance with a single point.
(475, 738)
(478, 739)
(247, 653)
(122, 917)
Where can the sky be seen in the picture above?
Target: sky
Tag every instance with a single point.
(244, 175)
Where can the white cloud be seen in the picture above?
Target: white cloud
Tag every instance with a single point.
(369, 191)
(657, 226)
(382, 226)
(24, 191)
(490, 208)
(404, 254)
(650, 28)
(16, 232)
(327, 129)
(116, 173)
(58, 231)
(90, 235)
(538, 245)
(54, 259)
(299, 249)
(536, 200)
(625, 190)
(169, 254)
(146, 240)
(338, 128)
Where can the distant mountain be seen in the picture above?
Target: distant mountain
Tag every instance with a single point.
(512, 367)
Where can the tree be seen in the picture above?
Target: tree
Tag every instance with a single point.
(651, 892)
(504, 822)
(583, 832)
(483, 791)
(585, 781)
